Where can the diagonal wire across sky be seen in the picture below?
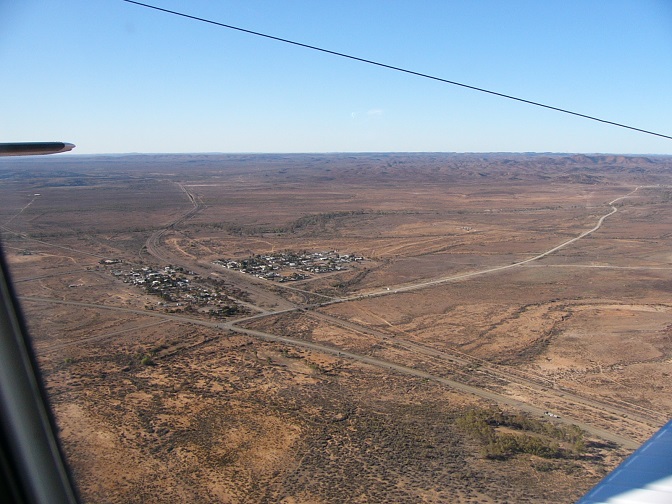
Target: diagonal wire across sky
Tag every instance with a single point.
(396, 68)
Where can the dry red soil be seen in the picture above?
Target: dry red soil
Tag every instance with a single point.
(350, 386)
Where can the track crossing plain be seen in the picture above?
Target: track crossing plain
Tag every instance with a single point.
(526, 286)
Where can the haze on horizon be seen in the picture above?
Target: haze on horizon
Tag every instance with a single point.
(113, 77)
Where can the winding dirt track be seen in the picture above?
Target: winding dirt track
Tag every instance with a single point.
(386, 291)
(153, 244)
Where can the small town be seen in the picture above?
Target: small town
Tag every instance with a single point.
(290, 266)
(180, 293)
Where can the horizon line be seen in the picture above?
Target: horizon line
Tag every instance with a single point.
(261, 153)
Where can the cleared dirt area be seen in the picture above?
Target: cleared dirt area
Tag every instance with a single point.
(493, 288)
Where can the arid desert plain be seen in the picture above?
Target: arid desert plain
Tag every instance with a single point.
(331, 328)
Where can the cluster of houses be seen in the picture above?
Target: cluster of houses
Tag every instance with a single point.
(290, 266)
(179, 292)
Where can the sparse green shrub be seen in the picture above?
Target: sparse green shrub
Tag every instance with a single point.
(147, 360)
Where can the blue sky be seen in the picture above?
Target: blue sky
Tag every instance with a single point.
(113, 77)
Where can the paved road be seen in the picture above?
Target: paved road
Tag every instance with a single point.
(492, 396)
(539, 385)
(230, 326)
